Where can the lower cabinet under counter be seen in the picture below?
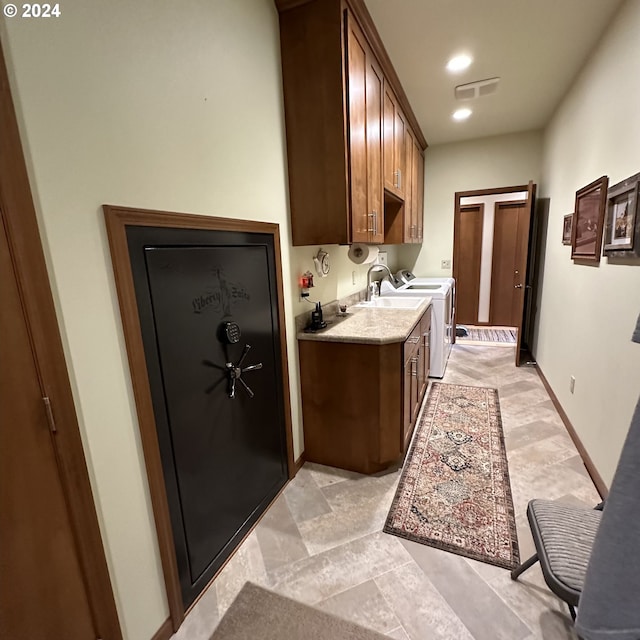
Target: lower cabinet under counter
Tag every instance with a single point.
(360, 401)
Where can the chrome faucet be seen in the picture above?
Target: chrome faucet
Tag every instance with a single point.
(373, 267)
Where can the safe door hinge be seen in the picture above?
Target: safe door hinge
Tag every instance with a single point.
(49, 412)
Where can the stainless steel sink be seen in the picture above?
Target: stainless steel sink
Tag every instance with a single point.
(392, 303)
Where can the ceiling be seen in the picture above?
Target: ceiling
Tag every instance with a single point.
(536, 47)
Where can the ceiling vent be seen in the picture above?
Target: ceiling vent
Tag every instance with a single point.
(476, 89)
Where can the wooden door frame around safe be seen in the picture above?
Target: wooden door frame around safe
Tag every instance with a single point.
(27, 255)
(117, 219)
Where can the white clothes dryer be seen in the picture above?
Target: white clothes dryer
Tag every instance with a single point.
(442, 292)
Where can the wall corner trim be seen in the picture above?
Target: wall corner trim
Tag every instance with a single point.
(596, 478)
(297, 465)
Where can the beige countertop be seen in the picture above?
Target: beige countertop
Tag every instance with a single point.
(369, 325)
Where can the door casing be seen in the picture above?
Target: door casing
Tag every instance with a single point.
(530, 188)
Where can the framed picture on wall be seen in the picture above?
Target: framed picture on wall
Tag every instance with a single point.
(588, 221)
(622, 226)
(566, 228)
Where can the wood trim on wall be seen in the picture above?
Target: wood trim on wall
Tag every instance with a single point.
(490, 192)
(596, 478)
(299, 463)
(117, 219)
(33, 279)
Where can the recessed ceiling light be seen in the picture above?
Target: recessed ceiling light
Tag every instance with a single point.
(461, 114)
(459, 63)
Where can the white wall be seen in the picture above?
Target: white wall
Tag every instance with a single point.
(587, 313)
(160, 105)
(498, 161)
(344, 279)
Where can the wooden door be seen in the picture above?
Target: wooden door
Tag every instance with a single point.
(389, 149)
(394, 128)
(467, 254)
(42, 591)
(409, 203)
(406, 403)
(420, 194)
(365, 87)
(510, 237)
(399, 154)
(414, 191)
(374, 82)
(425, 330)
(357, 83)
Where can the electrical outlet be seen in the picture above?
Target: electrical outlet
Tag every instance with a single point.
(445, 264)
(353, 277)
(572, 383)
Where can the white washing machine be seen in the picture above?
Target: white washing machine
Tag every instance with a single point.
(442, 294)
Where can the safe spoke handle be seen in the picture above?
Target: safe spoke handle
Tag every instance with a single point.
(235, 371)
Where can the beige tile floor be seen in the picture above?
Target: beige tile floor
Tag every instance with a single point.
(322, 542)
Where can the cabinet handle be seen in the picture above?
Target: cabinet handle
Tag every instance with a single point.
(396, 180)
(371, 229)
(375, 222)
(414, 367)
(399, 185)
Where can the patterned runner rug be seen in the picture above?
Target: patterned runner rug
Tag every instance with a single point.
(454, 491)
(490, 334)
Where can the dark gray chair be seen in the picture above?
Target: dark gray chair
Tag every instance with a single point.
(563, 536)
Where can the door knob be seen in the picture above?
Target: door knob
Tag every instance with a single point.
(518, 286)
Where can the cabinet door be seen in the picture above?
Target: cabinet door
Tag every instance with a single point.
(421, 380)
(409, 204)
(399, 153)
(389, 146)
(420, 194)
(357, 80)
(415, 385)
(365, 86)
(414, 192)
(374, 85)
(407, 406)
(425, 338)
(394, 128)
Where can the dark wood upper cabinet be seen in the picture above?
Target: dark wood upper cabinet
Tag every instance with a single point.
(364, 93)
(338, 88)
(419, 158)
(394, 124)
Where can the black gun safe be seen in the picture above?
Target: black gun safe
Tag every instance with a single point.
(207, 296)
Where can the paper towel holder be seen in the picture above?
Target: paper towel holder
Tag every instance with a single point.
(321, 261)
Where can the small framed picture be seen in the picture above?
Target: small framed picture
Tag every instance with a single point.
(621, 225)
(566, 228)
(588, 221)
